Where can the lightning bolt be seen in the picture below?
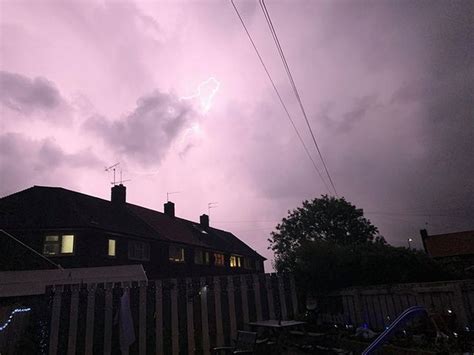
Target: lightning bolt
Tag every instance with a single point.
(205, 100)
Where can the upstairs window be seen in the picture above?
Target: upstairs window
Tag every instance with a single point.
(235, 261)
(111, 247)
(201, 257)
(138, 250)
(59, 244)
(247, 263)
(176, 254)
(218, 259)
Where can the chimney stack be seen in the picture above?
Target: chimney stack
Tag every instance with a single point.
(169, 208)
(204, 220)
(118, 194)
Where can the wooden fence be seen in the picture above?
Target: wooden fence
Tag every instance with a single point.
(377, 306)
(174, 316)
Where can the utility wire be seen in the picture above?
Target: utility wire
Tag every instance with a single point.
(31, 249)
(278, 94)
(295, 90)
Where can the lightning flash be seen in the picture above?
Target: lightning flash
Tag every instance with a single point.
(206, 91)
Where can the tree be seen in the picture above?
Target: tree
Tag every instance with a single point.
(325, 266)
(326, 219)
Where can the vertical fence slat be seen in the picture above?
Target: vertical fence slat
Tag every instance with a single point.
(218, 310)
(190, 315)
(174, 317)
(231, 299)
(55, 316)
(108, 319)
(159, 317)
(271, 308)
(142, 318)
(90, 319)
(258, 299)
(281, 290)
(73, 320)
(204, 317)
(294, 298)
(245, 302)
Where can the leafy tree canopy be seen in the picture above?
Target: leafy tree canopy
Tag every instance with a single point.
(327, 219)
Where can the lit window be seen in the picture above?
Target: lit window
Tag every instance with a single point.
(219, 259)
(67, 245)
(201, 257)
(58, 244)
(235, 261)
(138, 250)
(111, 251)
(176, 254)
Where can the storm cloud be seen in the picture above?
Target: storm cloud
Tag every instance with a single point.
(25, 162)
(26, 95)
(146, 134)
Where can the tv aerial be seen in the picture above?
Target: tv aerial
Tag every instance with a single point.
(114, 168)
(211, 205)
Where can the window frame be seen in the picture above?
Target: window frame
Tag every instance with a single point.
(114, 247)
(235, 261)
(217, 256)
(59, 243)
(179, 250)
(145, 246)
(205, 257)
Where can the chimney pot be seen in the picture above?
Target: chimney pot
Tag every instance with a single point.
(204, 220)
(169, 208)
(119, 194)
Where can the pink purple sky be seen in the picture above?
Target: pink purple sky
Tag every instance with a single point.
(387, 85)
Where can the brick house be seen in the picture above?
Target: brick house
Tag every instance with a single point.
(455, 250)
(78, 230)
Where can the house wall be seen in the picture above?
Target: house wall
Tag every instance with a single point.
(91, 249)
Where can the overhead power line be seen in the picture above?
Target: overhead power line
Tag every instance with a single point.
(295, 89)
(279, 96)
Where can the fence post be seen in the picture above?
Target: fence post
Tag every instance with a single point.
(218, 308)
(204, 317)
(190, 315)
(258, 299)
(56, 312)
(294, 297)
(231, 299)
(159, 317)
(281, 290)
(142, 317)
(108, 318)
(461, 310)
(271, 308)
(245, 303)
(89, 341)
(72, 337)
(174, 317)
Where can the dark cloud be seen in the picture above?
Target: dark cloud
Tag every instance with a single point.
(146, 134)
(25, 162)
(26, 95)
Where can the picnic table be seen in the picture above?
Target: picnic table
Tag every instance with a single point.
(277, 329)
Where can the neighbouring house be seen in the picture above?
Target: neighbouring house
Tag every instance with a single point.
(77, 230)
(455, 250)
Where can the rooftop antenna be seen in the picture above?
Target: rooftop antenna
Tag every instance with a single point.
(171, 193)
(112, 167)
(122, 180)
(211, 205)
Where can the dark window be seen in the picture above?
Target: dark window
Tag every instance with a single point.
(201, 257)
(138, 250)
(247, 263)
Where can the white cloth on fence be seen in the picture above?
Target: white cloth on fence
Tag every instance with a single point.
(127, 330)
